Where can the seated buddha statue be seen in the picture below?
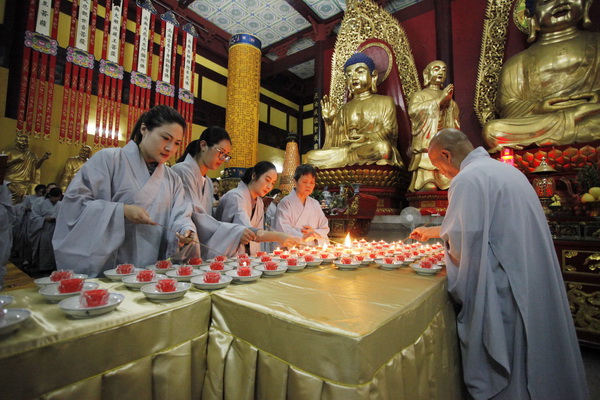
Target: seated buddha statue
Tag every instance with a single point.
(550, 92)
(365, 129)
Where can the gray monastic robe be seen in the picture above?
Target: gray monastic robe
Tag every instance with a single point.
(92, 234)
(236, 207)
(216, 237)
(40, 234)
(292, 215)
(7, 217)
(516, 331)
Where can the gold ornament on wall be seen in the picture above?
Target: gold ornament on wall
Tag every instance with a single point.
(491, 57)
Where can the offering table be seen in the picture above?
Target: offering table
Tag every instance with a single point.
(328, 334)
(141, 350)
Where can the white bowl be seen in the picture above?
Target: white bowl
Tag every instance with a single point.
(162, 270)
(73, 307)
(328, 260)
(228, 259)
(132, 283)
(281, 268)
(347, 267)
(317, 261)
(198, 282)
(13, 319)
(226, 268)
(258, 259)
(114, 276)
(45, 281)
(151, 292)
(52, 294)
(6, 300)
(394, 265)
(183, 278)
(301, 265)
(426, 271)
(254, 275)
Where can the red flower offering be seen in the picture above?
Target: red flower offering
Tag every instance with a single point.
(337, 254)
(261, 253)
(145, 276)
(241, 256)
(185, 270)
(301, 254)
(244, 271)
(292, 262)
(426, 264)
(58, 276)
(221, 258)
(346, 260)
(217, 266)
(314, 252)
(212, 277)
(195, 261)
(94, 298)
(360, 257)
(293, 251)
(388, 260)
(125, 269)
(244, 262)
(265, 259)
(284, 256)
(390, 251)
(271, 266)
(166, 285)
(324, 256)
(309, 258)
(72, 285)
(415, 253)
(163, 264)
(373, 255)
(277, 252)
(400, 257)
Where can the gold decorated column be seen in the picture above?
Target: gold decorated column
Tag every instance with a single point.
(243, 91)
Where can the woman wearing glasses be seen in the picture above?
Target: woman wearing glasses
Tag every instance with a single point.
(207, 153)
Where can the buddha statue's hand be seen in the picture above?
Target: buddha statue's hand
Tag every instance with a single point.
(554, 104)
(327, 109)
(448, 93)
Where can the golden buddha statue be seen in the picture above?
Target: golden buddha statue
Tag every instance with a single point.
(365, 130)
(22, 167)
(550, 92)
(73, 165)
(430, 110)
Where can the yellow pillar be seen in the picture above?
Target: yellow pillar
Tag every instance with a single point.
(243, 94)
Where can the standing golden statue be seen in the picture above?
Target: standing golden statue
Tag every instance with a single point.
(365, 130)
(550, 92)
(73, 165)
(22, 168)
(430, 110)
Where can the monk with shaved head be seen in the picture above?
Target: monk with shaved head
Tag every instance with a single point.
(516, 332)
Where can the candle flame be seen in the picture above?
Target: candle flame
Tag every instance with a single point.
(348, 242)
(325, 245)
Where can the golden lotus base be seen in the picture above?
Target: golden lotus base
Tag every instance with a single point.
(563, 158)
(429, 202)
(387, 183)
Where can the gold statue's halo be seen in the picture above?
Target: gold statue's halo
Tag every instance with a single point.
(519, 18)
(382, 57)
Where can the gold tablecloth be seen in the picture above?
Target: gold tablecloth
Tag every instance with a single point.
(141, 350)
(330, 334)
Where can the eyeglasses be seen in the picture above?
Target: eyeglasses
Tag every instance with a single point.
(223, 156)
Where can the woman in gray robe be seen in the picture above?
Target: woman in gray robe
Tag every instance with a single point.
(204, 154)
(244, 206)
(41, 229)
(125, 205)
